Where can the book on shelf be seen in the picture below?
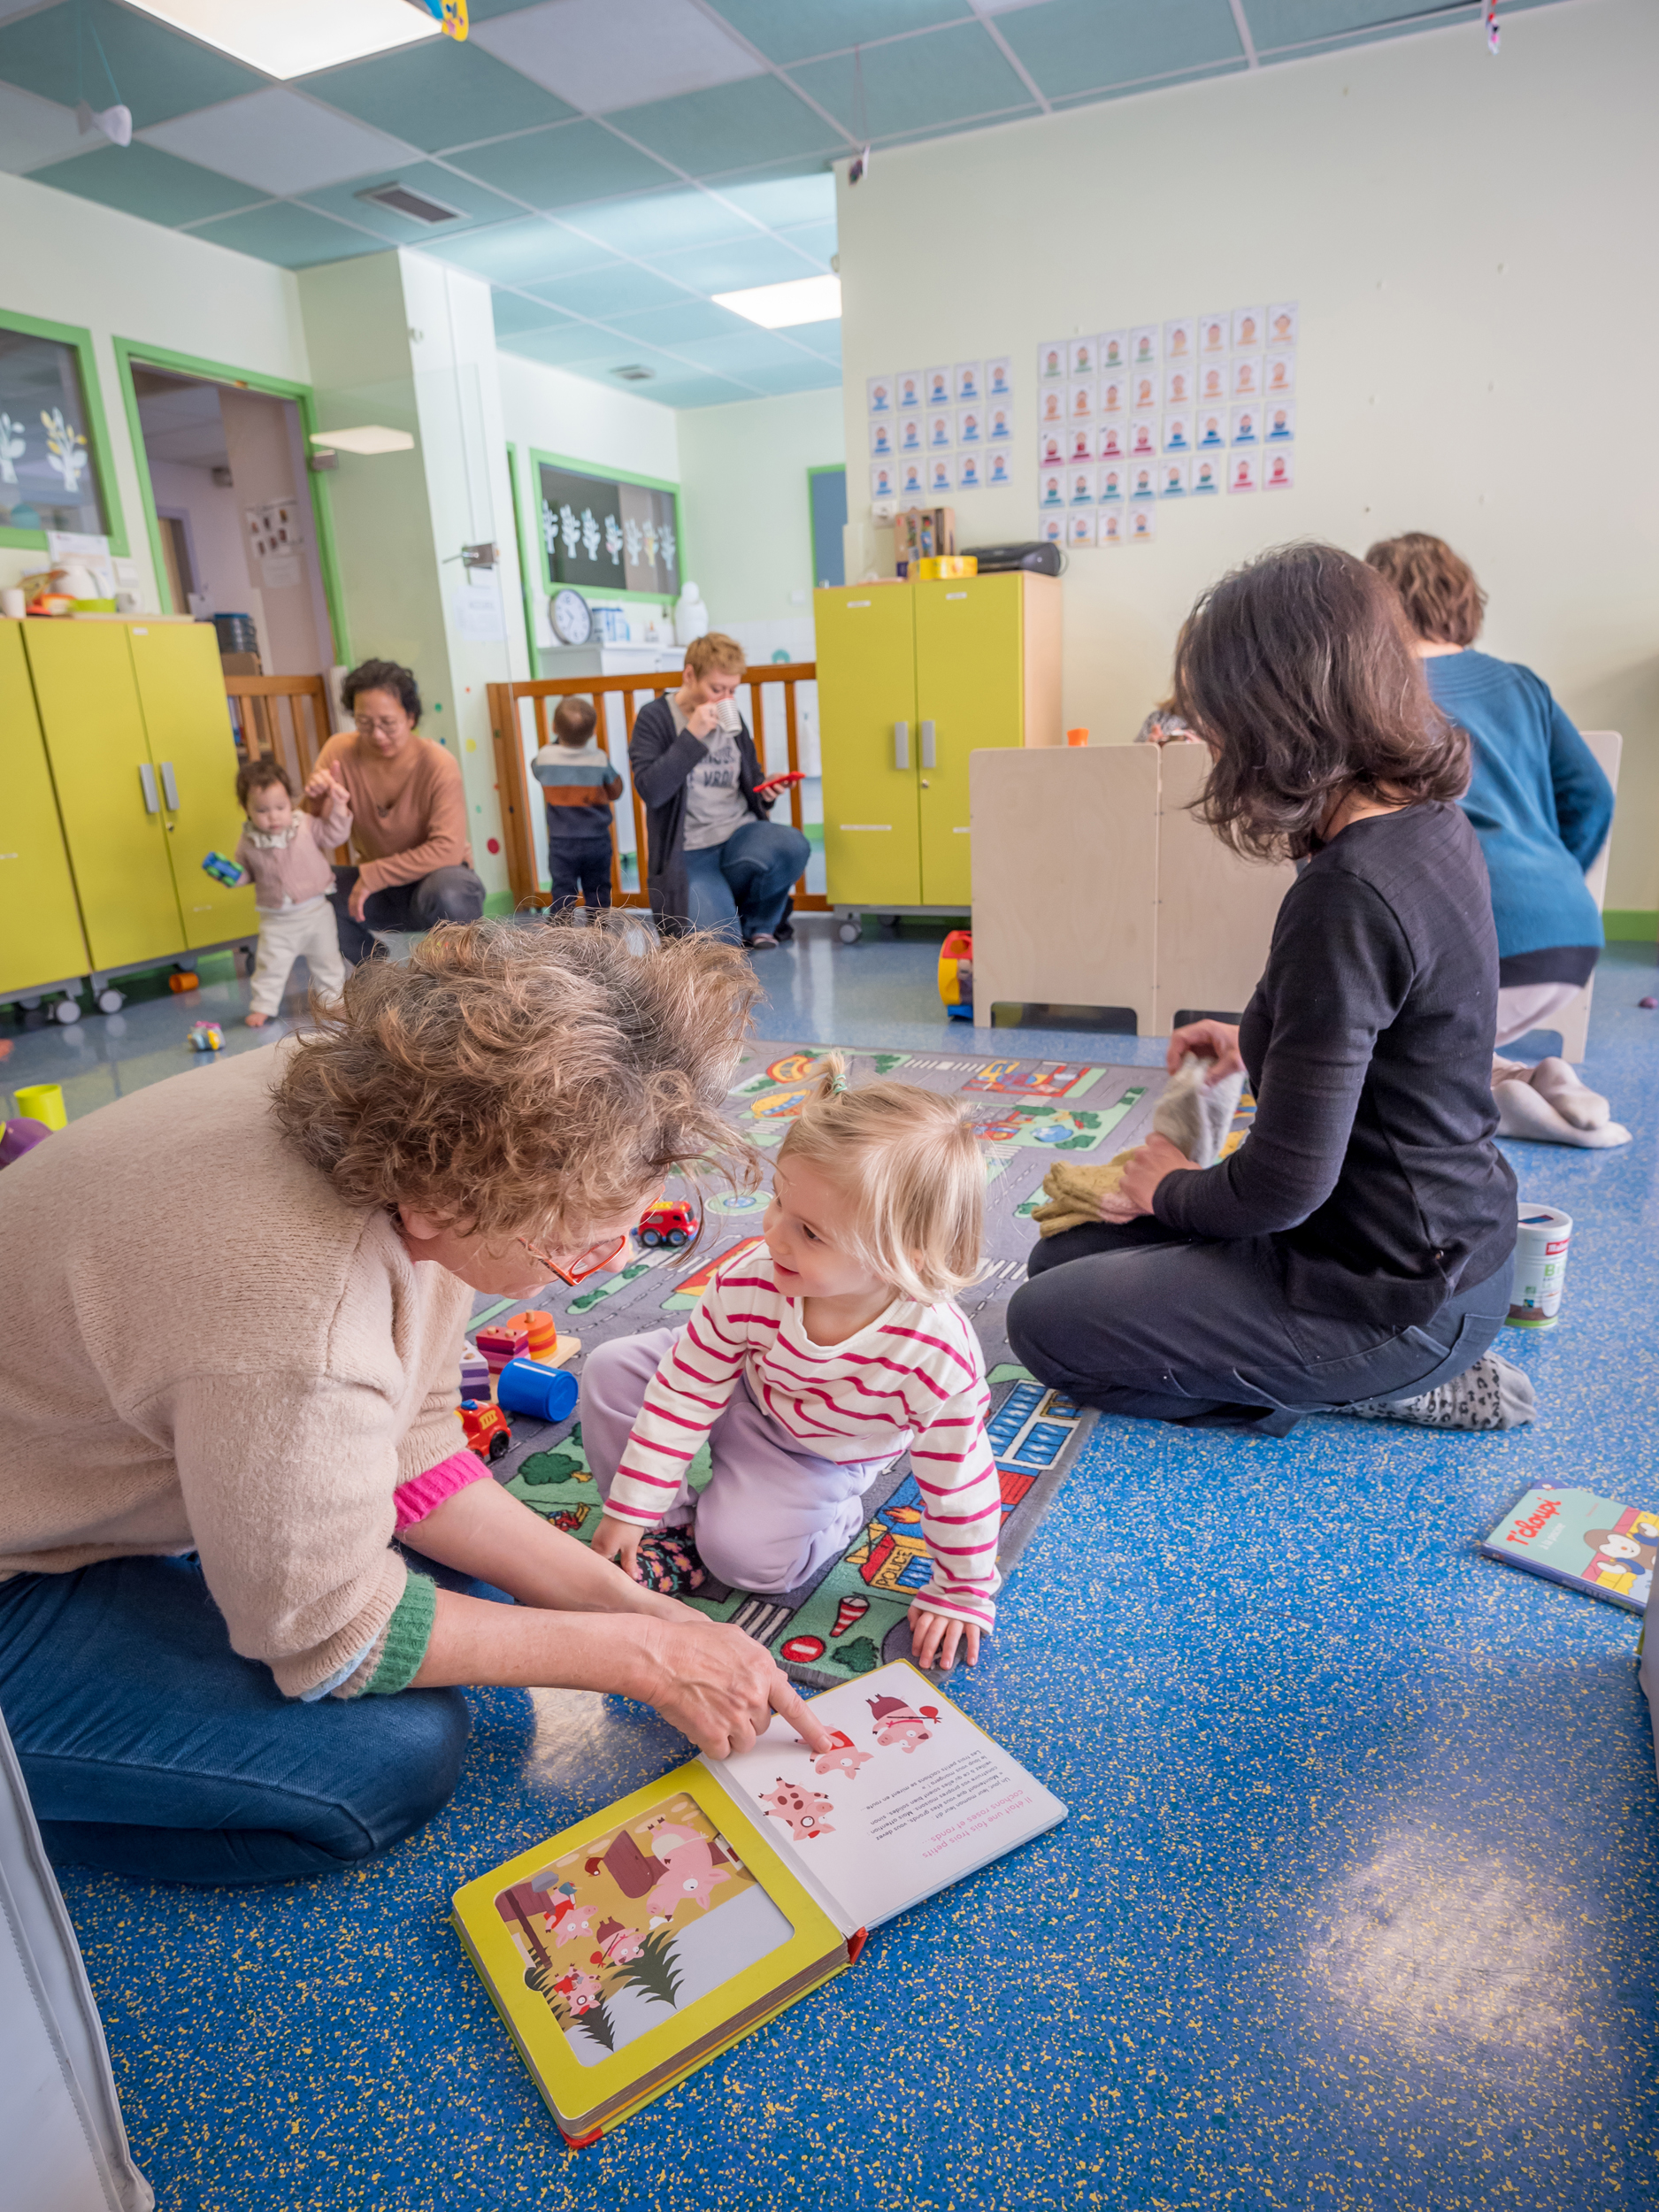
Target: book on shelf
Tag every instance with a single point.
(628, 1950)
(1598, 1544)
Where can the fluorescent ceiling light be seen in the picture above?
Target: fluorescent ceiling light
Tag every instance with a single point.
(775, 306)
(370, 437)
(290, 38)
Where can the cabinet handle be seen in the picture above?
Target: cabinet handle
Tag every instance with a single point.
(900, 744)
(929, 750)
(152, 797)
(169, 786)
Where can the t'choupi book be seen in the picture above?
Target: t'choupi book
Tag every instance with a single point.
(1591, 1543)
(628, 1950)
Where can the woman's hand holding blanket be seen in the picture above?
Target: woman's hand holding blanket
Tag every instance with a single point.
(1147, 1166)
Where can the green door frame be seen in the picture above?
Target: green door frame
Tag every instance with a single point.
(72, 335)
(526, 587)
(130, 350)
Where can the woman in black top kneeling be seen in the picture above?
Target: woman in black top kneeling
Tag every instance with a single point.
(1355, 1252)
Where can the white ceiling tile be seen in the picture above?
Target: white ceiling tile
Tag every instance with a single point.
(34, 131)
(278, 141)
(603, 54)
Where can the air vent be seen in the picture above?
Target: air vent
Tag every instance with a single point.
(401, 201)
(636, 373)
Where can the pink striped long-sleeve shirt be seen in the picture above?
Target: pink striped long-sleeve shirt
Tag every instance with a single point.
(912, 1379)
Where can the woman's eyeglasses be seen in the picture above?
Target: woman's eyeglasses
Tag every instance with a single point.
(597, 1256)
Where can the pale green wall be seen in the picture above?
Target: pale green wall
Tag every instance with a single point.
(749, 527)
(1475, 335)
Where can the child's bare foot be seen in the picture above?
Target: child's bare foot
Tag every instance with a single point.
(258, 1021)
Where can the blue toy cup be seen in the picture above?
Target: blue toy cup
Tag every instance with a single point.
(525, 1386)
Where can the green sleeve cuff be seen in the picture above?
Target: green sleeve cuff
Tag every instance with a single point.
(408, 1634)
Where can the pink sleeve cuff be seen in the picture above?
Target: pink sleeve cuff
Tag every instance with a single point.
(426, 1492)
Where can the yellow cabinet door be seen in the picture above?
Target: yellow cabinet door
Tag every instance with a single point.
(108, 794)
(970, 694)
(181, 690)
(40, 926)
(866, 704)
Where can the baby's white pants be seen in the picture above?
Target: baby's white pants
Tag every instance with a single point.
(284, 934)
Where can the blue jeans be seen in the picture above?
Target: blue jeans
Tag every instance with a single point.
(448, 894)
(152, 1749)
(740, 888)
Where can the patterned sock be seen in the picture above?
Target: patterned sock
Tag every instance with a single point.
(1491, 1394)
(669, 1561)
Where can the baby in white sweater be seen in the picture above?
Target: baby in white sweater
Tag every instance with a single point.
(285, 857)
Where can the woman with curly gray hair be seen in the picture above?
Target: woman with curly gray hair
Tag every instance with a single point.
(231, 1312)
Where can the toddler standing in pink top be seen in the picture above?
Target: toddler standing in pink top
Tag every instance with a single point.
(285, 857)
(811, 1361)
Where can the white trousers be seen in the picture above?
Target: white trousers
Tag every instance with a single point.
(283, 936)
(1524, 1006)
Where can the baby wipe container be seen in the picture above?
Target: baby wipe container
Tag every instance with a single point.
(1540, 1262)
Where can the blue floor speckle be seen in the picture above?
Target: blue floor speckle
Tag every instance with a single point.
(1355, 1908)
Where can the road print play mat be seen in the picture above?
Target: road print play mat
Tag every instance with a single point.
(852, 1617)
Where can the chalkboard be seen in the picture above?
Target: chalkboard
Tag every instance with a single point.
(604, 536)
(48, 474)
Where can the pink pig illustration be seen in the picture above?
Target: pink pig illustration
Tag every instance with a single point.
(617, 1943)
(896, 1723)
(801, 1811)
(689, 1875)
(841, 1757)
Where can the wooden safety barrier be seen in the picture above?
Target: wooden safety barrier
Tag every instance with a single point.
(517, 789)
(264, 725)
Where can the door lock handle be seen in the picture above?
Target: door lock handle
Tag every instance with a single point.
(929, 749)
(900, 744)
(152, 797)
(170, 785)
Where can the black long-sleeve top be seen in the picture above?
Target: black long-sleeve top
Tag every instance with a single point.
(662, 758)
(1368, 1042)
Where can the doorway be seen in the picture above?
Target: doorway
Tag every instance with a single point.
(826, 488)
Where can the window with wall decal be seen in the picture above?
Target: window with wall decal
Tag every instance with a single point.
(607, 533)
(49, 468)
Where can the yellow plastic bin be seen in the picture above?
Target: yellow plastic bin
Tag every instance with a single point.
(42, 1102)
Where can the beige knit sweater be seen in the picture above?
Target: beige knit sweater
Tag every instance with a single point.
(203, 1348)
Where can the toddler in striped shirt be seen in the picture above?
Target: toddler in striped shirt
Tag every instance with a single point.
(811, 1364)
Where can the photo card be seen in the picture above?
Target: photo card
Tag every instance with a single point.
(940, 384)
(1052, 356)
(1249, 329)
(1111, 350)
(1080, 529)
(1145, 343)
(970, 383)
(880, 391)
(1143, 525)
(999, 378)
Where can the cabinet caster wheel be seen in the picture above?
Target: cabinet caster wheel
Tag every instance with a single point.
(889, 921)
(849, 932)
(67, 1010)
(110, 1002)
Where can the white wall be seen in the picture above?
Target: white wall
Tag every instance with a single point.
(1475, 347)
(748, 524)
(68, 260)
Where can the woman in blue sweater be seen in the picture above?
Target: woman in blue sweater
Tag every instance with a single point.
(1539, 804)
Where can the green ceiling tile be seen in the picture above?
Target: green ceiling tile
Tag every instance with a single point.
(515, 314)
(563, 348)
(671, 326)
(1082, 45)
(560, 168)
(437, 94)
(659, 222)
(702, 132)
(807, 374)
(776, 201)
(472, 203)
(801, 27)
(685, 389)
(955, 73)
(296, 238)
(820, 240)
(142, 181)
(521, 252)
(736, 266)
(743, 353)
(157, 73)
(820, 338)
(621, 290)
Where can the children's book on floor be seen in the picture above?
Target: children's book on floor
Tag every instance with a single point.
(1591, 1543)
(628, 1950)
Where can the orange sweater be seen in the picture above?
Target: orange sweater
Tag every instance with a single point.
(409, 815)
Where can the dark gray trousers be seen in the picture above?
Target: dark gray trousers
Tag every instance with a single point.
(1136, 1320)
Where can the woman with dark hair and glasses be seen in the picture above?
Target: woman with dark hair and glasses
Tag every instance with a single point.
(1355, 1253)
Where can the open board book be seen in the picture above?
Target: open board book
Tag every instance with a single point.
(628, 1950)
(1591, 1543)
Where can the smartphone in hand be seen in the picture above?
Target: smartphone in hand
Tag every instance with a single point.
(774, 784)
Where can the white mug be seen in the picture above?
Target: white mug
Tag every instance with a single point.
(11, 603)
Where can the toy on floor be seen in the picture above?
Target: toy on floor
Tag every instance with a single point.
(502, 1342)
(20, 1136)
(668, 1222)
(43, 1102)
(184, 980)
(474, 1373)
(1549, 1104)
(525, 1386)
(206, 1037)
(223, 870)
(486, 1427)
(955, 975)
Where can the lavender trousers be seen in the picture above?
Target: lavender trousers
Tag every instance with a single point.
(773, 1515)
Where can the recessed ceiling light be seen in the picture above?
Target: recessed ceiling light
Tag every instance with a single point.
(775, 306)
(636, 373)
(299, 35)
(369, 437)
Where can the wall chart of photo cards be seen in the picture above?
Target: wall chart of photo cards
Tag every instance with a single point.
(937, 432)
(1189, 409)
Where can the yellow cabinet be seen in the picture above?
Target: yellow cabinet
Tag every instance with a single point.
(40, 928)
(108, 792)
(182, 692)
(912, 679)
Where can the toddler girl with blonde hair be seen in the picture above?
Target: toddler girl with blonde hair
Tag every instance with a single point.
(811, 1364)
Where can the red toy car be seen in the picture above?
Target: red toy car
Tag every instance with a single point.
(488, 1430)
(668, 1222)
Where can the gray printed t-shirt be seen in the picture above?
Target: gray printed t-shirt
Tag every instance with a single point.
(715, 806)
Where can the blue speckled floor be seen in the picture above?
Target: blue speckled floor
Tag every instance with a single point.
(1356, 1908)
